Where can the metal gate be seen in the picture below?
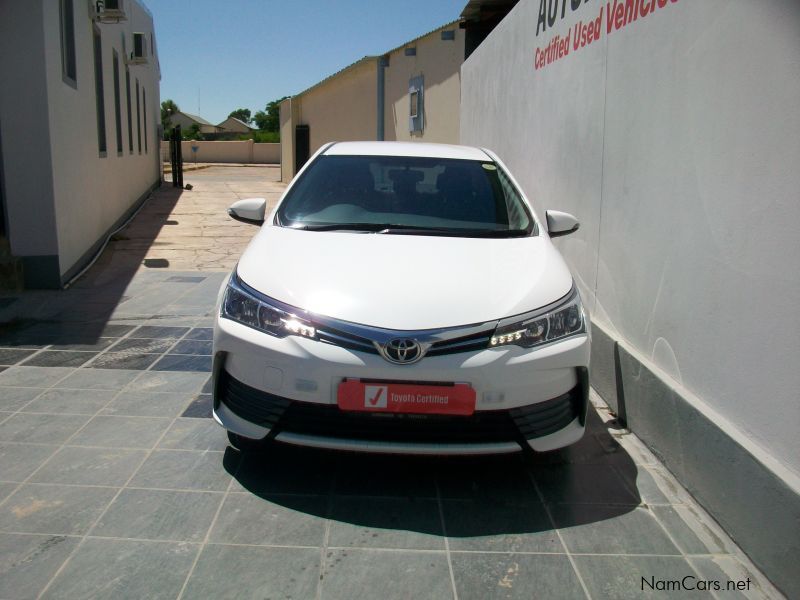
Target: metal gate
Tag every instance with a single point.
(176, 157)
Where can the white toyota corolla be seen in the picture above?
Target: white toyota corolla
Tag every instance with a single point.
(402, 298)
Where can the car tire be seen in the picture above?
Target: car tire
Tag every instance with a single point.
(246, 444)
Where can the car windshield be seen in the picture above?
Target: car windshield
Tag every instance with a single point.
(406, 195)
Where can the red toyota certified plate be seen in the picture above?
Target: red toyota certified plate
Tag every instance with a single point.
(458, 399)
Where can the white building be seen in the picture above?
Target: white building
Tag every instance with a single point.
(79, 119)
(672, 130)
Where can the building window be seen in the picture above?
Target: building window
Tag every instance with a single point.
(144, 118)
(69, 68)
(98, 91)
(117, 103)
(138, 119)
(130, 112)
(416, 96)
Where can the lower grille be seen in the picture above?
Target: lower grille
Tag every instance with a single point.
(281, 414)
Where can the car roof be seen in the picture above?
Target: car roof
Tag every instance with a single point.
(417, 149)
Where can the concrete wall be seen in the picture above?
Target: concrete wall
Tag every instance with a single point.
(341, 108)
(28, 179)
(242, 152)
(63, 194)
(675, 139)
(345, 106)
(439, 62)
(288, 117)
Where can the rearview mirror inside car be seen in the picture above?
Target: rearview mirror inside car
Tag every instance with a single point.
(249, 210)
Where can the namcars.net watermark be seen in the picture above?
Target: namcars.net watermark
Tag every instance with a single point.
(691, 583)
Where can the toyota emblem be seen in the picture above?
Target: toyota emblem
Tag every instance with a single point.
(402, 351)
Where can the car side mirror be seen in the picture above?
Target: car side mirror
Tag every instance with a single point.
(249, 210)
(561, 223)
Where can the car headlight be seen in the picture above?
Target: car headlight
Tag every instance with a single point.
(563, 321)
(242, 305)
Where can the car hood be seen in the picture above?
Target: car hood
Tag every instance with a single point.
(405, 282)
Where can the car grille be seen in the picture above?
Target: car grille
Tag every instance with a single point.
(468, 343)
(281, 414)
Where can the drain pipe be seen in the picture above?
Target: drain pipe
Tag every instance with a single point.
(383, 62)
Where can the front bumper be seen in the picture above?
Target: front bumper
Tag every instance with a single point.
(285, 389)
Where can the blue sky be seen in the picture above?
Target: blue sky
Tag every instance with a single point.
(243, 53)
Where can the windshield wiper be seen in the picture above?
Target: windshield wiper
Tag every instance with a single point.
(399, 228)
(343, 227)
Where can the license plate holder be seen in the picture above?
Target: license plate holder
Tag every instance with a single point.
(406, 398)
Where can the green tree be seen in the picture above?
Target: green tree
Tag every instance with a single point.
(243, 114)
(270, 118)
(193, 133)
(168, 108)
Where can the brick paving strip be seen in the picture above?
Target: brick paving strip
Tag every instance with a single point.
(115, 482)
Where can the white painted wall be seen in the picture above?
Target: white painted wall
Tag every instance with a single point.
(242, 152)
(438, 61)
(91, 191)
(27, 175)
(676, 141)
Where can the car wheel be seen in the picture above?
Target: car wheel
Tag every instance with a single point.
(246, 444)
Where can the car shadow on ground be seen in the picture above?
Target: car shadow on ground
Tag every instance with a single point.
(506, 502)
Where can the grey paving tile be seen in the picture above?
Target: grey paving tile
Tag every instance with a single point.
(123, 360)
(27, 562)
(187, 470)
(195, 434)
(502, 478)
(12, 399)
(38, 377)
(481, 576)
(734, 579)
(164, 381)
(185, 279)
(122, 432)
(11, 356)
(232, 572)
(159, 332)
(124, 569)
(387, 575)
(20, 460)
(579, 483)
(148, 404)
(90, 344)
(59, 401)
(693, 532)
(59, 358)
(44, 429)
(285, 471)
(656, 485)
(382, 475)
(159, 515)
(98, 379)
(54, 509)
(408, 523)
(180, 362)
(6, 488)
(286, 520)
(627, 577)
(200, 333)
(499, 526)
(143, 346)
(90, 466)
(598, 529)
(200, 408)
(198, 347)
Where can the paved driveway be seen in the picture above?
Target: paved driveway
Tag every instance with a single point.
(114, 481)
